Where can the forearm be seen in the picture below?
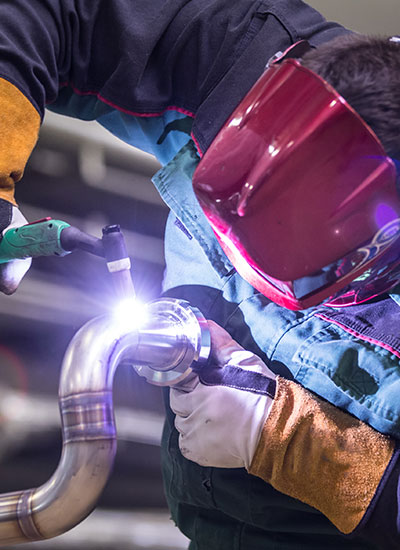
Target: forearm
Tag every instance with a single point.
(320, 455)
(30, 46)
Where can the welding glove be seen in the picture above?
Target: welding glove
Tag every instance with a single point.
(12, 272)
(300, 444)
(19, 128)
(210, 415)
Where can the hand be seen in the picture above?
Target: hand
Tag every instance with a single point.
(221, 426)
(12, 272)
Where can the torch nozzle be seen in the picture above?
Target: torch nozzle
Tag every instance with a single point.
(118, 261)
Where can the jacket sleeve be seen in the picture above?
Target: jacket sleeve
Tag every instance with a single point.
(94, 58)
(82, 46)
(316, 453)
(114, 61)
(30, 47)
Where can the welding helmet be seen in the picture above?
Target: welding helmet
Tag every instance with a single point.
(301, 194)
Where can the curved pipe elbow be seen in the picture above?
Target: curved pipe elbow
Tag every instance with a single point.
(89, 439)
(162, 351)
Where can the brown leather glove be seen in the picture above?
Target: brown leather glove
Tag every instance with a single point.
(19, 127)
(325, 457)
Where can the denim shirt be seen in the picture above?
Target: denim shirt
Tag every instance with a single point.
(349, 356)
(343, 355)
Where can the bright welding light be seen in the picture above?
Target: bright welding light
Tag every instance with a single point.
(130, 313)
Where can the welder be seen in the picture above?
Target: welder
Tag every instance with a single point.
(296, 191)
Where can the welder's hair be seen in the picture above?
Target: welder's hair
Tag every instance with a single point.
(365, 70)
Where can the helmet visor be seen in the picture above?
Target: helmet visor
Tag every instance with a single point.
(299, 190)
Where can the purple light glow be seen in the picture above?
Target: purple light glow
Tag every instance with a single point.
(384, 214)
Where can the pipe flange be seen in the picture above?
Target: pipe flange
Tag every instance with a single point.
(192, 342)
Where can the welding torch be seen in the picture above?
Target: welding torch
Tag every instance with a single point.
(48, 237)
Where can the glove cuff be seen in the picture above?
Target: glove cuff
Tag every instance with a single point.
(19, 123)
(320, 455)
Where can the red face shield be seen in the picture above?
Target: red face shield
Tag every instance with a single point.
(301, 194)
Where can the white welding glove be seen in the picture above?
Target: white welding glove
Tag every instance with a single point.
(11, 272)
(221, 426)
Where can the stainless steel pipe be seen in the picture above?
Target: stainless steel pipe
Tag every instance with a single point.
(163, 349)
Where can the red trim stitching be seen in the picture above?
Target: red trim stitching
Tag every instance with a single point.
(359, 335)
(126, 111)
(197, 145)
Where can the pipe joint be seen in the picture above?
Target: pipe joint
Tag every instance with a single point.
(164, 350)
